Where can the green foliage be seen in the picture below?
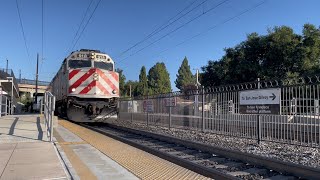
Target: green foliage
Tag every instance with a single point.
(142, 89)
(134, 87)
(278, 55)
(25, 98)
(184, 76)
(159, 79)
(122, 80)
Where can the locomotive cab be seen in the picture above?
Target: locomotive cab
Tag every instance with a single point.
(91, 89)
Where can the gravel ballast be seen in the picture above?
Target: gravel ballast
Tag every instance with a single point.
(285, 152)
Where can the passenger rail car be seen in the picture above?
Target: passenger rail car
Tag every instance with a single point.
(86, 87)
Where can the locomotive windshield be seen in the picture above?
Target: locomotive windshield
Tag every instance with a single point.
(103, 65)
(79, 64)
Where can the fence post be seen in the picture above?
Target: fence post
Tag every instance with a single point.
(6, 107)
(45, 112)
(119, 109)
(202, 117)
(131, 109)
(1, 103)
(147, 110)
(170, 121)
(259, 120)
(53, 100)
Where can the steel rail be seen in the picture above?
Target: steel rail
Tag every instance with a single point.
(277, 165)
(205, 171)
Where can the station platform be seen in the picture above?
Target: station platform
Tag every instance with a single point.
(25, 152)
(75, 153)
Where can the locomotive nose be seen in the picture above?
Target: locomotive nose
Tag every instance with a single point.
(96, 76)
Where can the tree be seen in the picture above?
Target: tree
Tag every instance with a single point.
(159, 79)
(25, 98)
(122, 80)
(184, 76)
(280, 54)
(311, 49)
(142, 89)
(134, 87)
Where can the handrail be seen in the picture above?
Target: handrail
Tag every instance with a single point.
(49, 107)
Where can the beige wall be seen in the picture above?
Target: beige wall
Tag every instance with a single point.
(31, 88)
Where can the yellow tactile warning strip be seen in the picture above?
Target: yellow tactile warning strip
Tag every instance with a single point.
(82, 170)
(140, 163)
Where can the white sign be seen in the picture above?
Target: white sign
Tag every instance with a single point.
(263, 96)
(148, 106)
(172, 101)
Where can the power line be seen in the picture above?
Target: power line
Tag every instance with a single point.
(23, 34)
(213, 27)
(79, 27)
(163, 26)
(86, 24)
(42, 34)
(193, 19)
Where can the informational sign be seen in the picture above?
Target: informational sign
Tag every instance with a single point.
(148, 106)
(170, 102)
(264, 101)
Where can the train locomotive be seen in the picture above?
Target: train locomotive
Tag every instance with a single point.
(86, 87)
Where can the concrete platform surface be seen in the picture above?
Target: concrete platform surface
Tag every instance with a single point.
(90, 162)
(25, 152)
(22, 128)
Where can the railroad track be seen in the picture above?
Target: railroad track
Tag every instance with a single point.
(207, 160)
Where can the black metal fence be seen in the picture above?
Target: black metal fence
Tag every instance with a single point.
(285, 111)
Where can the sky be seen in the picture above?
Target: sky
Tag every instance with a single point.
(202, 34)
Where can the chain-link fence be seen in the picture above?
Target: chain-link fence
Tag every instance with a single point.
(285, 111)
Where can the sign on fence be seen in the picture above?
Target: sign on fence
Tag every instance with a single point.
(148, 106)
(264, 101)
(170, 102)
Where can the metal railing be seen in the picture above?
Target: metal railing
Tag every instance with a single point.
(4, 105)
(48, 111)
(294, 120)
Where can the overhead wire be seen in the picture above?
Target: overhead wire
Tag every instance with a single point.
(22, 29)
(42, 34)
(80, 25)
(163, 26)
(213, 27)
(86, 24)
(174, 30)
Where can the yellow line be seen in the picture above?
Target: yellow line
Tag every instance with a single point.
(140, 163)
(82, 170)
(72, 143)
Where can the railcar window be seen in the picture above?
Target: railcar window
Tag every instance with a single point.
(103, 65)
(79, 64)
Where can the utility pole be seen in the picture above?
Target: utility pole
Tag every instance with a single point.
(36, 98)
(19, 75)
(130, 90)
(197, 75)
(196, 107)
(7, 67)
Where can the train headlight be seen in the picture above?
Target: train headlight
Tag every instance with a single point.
(114, 91)
(73, 89)
(96, 76)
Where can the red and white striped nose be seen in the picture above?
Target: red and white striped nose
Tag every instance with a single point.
(94, 82)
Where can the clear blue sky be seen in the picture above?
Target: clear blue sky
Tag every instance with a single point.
(118, 24)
